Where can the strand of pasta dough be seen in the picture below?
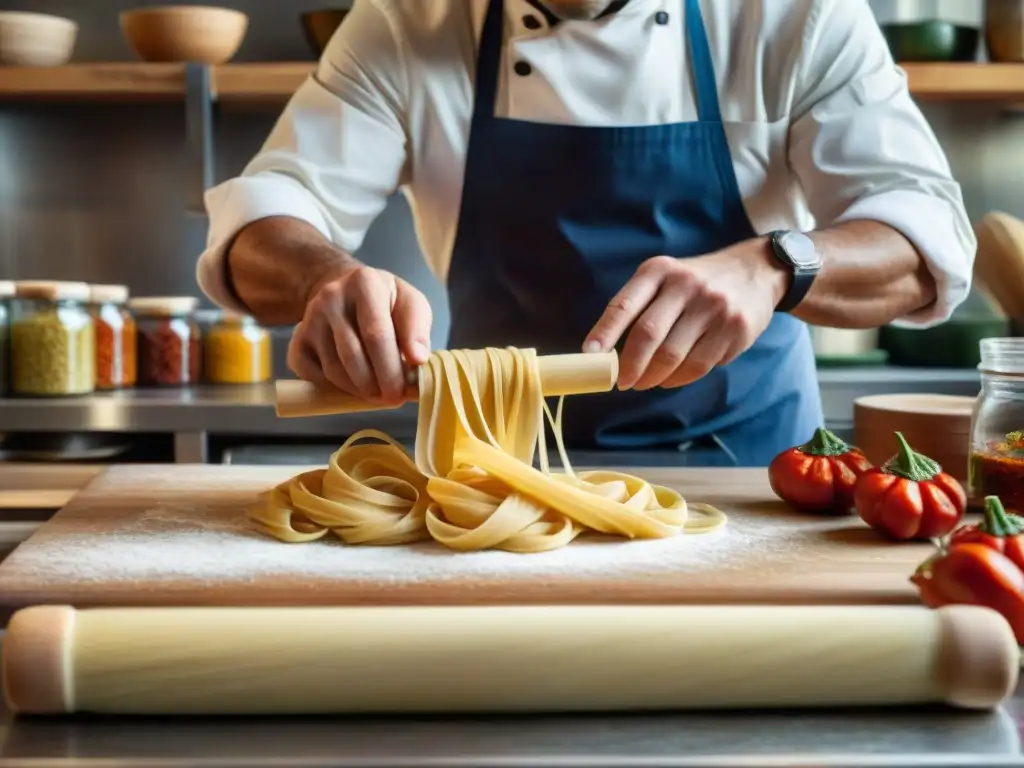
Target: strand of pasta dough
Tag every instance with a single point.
(472, 484)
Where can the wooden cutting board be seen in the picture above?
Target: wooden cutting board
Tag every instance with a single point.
(177, 535)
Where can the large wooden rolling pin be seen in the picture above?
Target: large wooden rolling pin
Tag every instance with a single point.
(576, 374)
(178, 661)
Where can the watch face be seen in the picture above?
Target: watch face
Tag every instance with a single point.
(800, 248)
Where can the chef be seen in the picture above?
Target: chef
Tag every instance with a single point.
(689, 181)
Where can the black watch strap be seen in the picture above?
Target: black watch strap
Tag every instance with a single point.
(798, 288)
(802, 268)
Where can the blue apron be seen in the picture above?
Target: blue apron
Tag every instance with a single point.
(555, 219)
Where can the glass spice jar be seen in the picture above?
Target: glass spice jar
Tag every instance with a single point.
(169, 340)
(997, 425)
(53, 348)
(116, 364)
(6, 292)
(237, 351)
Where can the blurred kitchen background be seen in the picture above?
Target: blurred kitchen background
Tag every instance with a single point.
(96, 192)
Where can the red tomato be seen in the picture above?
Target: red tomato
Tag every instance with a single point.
(1000, 531)
(910, 497)
(819, 476)
(973, 574)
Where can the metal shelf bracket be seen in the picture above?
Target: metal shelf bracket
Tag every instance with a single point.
(198, 136)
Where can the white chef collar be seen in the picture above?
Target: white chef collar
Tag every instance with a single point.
(553, 20)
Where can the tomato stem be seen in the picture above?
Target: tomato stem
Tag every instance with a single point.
(825, 443)
(911, 465)
(998, 522)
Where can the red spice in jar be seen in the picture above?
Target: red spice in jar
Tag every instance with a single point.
(1002, 476)
(998, 470)
(169, 352)
(116, 364)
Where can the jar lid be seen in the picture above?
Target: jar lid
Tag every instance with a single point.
(163, 306)
(1002, 356)
(108, 294)
(235, 318)
(6, 289)
(51, 290)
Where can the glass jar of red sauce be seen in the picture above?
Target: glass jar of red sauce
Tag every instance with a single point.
(997, 425)
(169, 341)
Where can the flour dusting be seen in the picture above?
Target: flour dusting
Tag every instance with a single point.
(206, 543)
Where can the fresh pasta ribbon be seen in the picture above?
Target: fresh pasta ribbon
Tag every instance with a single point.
(471, 484)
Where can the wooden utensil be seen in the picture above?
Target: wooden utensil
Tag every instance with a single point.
(514, 659)
(575, 374)
(938, 426)
(999, 264)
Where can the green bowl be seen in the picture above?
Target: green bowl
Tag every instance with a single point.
(954, 344)
(875, 357)
(932, 41)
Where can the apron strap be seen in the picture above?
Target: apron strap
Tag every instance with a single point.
(704, 82)
(488, 60)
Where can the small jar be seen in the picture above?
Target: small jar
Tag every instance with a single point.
(6, 292)
(116, 366)
(53, 347)
(169, 340)
(237, 351)
(997, 425)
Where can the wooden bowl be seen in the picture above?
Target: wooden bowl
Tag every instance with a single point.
(36, 39)
(320, 27)
(938, 426)
(1004, 30)
(185, 33)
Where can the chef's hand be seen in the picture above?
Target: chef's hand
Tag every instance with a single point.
(359, 325)
(687, 316)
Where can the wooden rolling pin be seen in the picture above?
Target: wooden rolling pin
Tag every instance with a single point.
(576, 374)
(235, 661)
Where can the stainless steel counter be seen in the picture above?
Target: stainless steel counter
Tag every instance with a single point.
(877, 738)
(222, 409)
(250, 409)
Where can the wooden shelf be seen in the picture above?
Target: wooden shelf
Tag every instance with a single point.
(258, 82)
(125, 82)
(274, 82)
(966, 82)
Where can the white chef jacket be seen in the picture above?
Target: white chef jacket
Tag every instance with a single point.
(819, 120)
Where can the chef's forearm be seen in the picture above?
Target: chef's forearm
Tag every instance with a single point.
(275, 264)
(871, 275)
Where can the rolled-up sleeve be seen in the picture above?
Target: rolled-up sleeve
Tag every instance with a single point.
(335, 156)
(862, 150)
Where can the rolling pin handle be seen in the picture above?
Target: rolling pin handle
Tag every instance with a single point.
(36, 660)
(570, 374)
(979, 659)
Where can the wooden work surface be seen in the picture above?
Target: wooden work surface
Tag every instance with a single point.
(173, 535)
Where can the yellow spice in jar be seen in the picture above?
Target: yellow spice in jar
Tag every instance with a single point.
(238, 352)
(53, 353)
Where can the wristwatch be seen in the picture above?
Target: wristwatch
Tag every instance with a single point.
(797, 252)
